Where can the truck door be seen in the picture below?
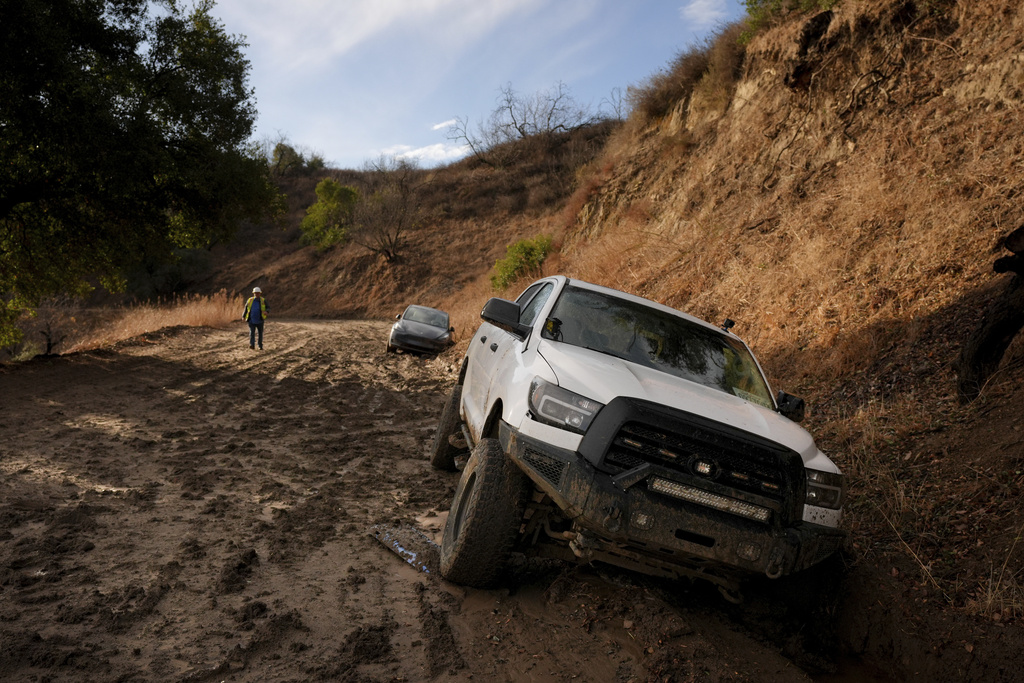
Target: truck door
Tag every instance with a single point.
(490, 354)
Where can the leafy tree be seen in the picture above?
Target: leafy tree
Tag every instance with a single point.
(327, 221)
(123, 134)
(315, 162)
(388, 208)
(286, 159)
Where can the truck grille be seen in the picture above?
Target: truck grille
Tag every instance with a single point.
(699, 454)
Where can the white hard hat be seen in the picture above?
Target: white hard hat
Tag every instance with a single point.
(257, 290)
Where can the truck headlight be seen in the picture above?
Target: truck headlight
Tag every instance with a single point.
(825, 489)
(558, 407)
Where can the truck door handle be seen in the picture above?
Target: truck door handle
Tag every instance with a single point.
(494, 346)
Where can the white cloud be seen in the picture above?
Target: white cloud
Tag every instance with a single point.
(703, 13)
(302, 33)
(443, 125)
(430, 155)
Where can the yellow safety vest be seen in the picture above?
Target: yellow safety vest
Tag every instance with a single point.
(248, 307)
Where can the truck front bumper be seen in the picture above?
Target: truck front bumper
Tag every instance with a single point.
(623, 519)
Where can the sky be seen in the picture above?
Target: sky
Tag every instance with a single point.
(352, 80)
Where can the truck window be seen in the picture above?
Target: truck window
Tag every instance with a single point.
(532, 308)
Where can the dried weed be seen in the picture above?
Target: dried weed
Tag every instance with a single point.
(216, 310)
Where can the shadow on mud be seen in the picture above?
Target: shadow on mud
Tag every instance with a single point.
(798, 616)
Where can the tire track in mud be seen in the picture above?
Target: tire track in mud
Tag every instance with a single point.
(246, 454)
(183, 508)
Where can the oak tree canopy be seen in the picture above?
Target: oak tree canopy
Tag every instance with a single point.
(124, 133)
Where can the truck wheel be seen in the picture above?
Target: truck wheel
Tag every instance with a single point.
(484, 519)
(442, 455)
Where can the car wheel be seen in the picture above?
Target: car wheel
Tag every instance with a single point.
(390, 349)
(442, 455)
(485, 516)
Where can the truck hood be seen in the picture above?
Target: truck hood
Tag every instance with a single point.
(603, 378)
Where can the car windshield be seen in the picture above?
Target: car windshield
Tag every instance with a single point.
(427, 316)
(656, 339)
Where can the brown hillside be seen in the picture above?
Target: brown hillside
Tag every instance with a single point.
(843, 200)
(473, 212)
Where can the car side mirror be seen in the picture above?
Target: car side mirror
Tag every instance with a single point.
(791, 406)
(504, 314)
(398, 317)
(451, 329)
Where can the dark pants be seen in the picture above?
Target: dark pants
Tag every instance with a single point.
(253, 327)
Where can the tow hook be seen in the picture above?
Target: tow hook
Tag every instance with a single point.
(611, 520)
(583, 545)
(776, 563)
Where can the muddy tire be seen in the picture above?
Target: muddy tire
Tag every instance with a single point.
(485, 516)
(442, 454)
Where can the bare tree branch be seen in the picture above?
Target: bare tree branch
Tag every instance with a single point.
(387, 210)
(517, 117)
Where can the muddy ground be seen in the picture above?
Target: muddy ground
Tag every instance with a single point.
(182, 508)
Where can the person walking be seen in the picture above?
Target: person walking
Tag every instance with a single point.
(255, 313)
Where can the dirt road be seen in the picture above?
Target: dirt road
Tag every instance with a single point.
(181, 508)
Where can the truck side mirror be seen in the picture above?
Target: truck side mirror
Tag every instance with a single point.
(791, 406)
(505, 314)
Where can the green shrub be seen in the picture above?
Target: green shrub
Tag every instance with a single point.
(315, 163)
(522, 258)
(327, 222)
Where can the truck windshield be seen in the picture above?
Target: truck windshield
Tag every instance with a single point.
(656, 339)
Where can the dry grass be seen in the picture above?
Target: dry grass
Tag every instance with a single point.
(660, 93)
(216, 310)
(1001, 596)
(707, 72)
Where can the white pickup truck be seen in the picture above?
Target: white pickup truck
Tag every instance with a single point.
(602, 426)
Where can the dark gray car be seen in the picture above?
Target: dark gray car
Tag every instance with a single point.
(421, 329)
